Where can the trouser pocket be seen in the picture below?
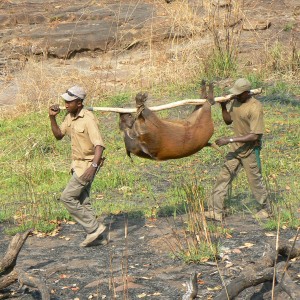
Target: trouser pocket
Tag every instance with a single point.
(83, 182)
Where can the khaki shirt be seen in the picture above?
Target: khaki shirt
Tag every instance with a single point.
(85, 136)
(247, 118)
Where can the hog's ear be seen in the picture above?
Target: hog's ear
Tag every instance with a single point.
(125, 116)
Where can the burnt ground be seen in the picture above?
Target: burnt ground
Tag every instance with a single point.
(144, 259)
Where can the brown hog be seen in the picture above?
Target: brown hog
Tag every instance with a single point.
(150, 137)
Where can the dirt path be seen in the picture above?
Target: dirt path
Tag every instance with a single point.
(144, 259)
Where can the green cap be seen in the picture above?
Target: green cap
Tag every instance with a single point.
(240, 86)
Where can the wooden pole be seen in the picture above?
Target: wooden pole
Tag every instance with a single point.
(169, 105)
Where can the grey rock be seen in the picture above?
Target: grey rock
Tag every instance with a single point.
(63, 31)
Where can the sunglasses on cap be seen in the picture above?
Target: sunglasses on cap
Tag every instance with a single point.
(73, 95)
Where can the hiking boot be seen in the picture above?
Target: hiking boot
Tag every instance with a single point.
(102, 240)
(265, 212)
(93, 236)
(210, 214)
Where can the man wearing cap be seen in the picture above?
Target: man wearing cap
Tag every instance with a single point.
(87, 148)
(246, 114)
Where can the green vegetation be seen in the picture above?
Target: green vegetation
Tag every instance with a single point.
(286, 219)
(221, 64)
(289, 26)
(34, 166)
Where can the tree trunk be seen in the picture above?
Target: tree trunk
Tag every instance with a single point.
(262, 271)
(9, 274)
(9, 260)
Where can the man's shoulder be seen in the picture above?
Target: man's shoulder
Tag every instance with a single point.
(89, 118)
(255, 101)
(254, 109)
(255, 104)
(87, 113)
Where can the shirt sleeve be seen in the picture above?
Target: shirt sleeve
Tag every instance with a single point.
(94, 132)
(257, 120)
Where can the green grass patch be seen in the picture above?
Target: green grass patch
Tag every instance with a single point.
(200, 253)
(35, 167)
(44, 227)
(221, 64)
(286, 219)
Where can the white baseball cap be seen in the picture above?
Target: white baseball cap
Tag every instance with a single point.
(73, 93)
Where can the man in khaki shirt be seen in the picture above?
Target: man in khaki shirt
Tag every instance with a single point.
(246, 114)
(87, 148)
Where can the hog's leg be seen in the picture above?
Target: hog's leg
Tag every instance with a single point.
(203, 89)
(203, 94)
(140, 100)
(210, 95)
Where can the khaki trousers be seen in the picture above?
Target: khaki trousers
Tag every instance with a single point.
(76, 199)
(228, 172)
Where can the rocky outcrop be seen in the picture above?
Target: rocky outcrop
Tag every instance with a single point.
(257, 25)
(58, 30)
(91, 30)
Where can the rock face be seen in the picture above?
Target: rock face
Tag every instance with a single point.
(57, 30)
(61, 30)
(157, 33)
(257, 25)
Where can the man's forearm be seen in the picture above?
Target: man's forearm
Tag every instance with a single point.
(251, 137)
(55, 128)
(226, 115)
(98, 154)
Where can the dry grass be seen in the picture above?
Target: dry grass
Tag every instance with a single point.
(188, 55)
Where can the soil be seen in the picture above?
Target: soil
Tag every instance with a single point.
(143, 261)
